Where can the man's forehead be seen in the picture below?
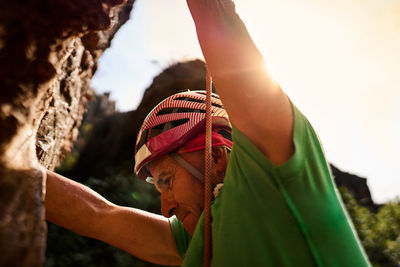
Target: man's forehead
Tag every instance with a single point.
(167, 163)
(161, 165)
(156, 164)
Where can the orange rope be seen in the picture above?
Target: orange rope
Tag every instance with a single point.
(207, 174)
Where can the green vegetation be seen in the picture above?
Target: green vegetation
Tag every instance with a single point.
(72, 158)
(379, 233)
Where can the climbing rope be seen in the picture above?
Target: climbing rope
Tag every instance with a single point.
(207, 174)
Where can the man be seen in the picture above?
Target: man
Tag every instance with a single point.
(278, 205)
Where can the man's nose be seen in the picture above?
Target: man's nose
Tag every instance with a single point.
(168, 205)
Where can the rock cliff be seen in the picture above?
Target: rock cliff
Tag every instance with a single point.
(48, 53)
(356, 185)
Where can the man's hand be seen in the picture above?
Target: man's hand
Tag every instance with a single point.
(220, 6)
(214, 7)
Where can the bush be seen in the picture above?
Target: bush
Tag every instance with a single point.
(379, 233)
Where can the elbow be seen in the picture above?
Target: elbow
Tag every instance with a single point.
(93, 219)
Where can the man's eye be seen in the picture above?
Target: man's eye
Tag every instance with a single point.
(168, 182)
(164, 183)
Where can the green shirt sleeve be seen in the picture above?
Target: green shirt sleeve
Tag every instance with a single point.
(181, 236)
(292, 166)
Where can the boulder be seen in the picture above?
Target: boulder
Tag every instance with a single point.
(48, 53)
(357, 186)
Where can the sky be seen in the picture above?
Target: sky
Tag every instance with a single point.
(338, 61)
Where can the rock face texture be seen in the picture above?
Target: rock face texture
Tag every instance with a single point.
(48, 53)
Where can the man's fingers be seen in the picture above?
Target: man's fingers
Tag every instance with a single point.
(217, 6)
(115, 2)
(225, 6)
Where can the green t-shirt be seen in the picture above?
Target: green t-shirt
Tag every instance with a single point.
(267, 215)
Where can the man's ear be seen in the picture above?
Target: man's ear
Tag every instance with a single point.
(220, 162)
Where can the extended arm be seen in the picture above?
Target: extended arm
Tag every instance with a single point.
(255, 102)
(76, 207)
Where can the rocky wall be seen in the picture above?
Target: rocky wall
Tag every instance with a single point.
(48, 54)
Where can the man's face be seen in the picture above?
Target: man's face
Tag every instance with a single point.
(181, 193)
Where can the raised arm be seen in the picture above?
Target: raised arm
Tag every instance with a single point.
(255, 102)
(76, 207)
